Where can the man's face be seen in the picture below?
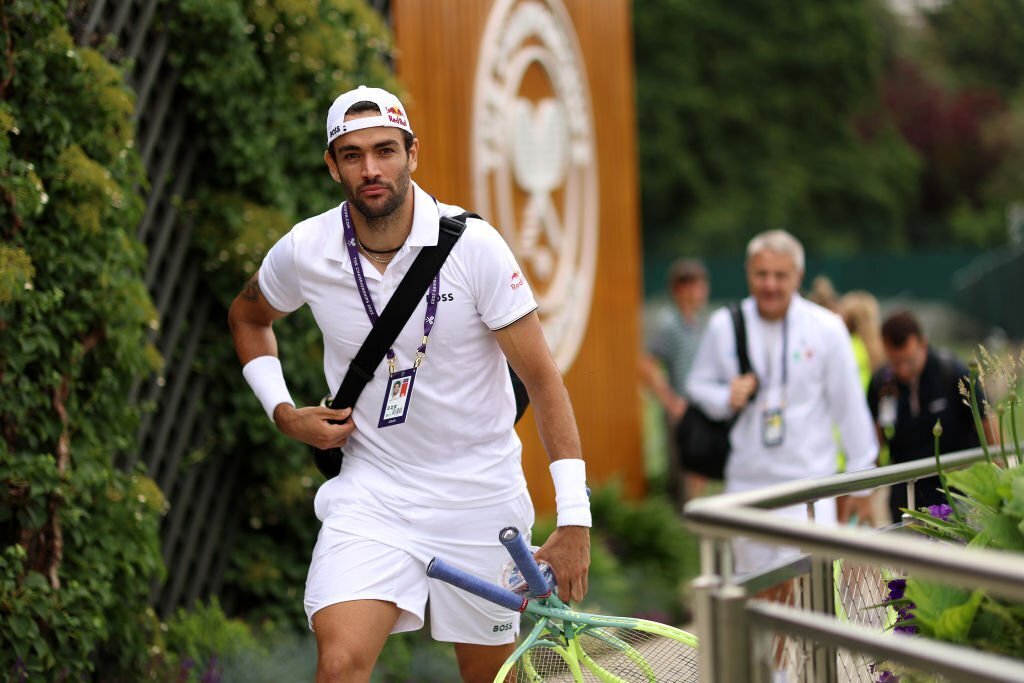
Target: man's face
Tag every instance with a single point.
(373, 167)
(691, 296)
(773, 278)
(907, 361)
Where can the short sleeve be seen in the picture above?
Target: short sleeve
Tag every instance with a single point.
(279, 276)
(502, 293)
(661, 342)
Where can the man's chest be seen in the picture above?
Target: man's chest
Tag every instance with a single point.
(345, 309)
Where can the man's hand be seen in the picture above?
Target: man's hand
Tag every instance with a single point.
(741, 389)
(849, 506)
(311, 425)
(568, 552)
(676, 409)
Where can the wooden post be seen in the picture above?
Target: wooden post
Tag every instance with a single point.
(525, 114)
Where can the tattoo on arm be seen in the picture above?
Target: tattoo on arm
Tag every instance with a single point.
(251, 292)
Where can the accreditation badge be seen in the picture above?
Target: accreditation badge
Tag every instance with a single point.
(773, 428)
(887, 411)
(397, 397)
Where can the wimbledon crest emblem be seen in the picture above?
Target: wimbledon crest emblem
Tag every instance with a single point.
(534, 162)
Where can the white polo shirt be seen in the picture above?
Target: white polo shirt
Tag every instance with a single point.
(822, 389)
(457, 447)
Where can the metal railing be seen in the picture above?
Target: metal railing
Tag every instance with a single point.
(742, 637)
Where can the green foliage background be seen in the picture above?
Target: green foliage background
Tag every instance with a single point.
(854, 128)
(749, 118)
(78, 538)
(79, 546)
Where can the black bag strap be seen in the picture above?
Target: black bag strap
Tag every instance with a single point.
(394, 316)
(740, 328)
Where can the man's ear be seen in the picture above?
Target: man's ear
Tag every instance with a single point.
(329, 160)
(414, 155)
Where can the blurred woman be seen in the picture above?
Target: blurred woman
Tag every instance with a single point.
(859, 310)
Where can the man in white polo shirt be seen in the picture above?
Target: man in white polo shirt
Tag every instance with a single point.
(444, 477)
(803, 381)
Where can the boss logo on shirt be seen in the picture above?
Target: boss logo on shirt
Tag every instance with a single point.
(502, 627)
(448, 297)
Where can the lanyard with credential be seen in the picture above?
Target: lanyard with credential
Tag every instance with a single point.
(398, 395)
(770, 371)
(364, 292)
(773, 427)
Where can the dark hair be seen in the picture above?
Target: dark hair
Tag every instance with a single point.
(686, 270)
(363, 107)
(899, 327)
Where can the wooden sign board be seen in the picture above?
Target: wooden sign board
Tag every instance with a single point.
(525, 114)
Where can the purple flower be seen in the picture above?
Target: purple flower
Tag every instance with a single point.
(896, 589)
(885, 676)
(904, 608)
(940, 511)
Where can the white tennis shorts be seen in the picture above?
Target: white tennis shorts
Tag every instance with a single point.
(373, 548)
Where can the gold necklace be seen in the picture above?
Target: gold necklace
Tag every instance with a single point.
(376, 259)
(377, 251)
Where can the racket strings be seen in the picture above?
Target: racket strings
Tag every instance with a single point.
(607, 654)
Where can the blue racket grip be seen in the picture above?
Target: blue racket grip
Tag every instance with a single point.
(523, 557)
(439, 569)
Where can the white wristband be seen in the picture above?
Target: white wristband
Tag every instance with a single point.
(265, 376)
(572, 504)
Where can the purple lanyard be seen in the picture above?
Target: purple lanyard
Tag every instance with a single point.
(364, 292)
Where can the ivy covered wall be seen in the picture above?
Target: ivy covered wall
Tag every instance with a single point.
(79, 538)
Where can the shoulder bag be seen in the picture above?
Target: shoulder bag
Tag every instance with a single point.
(701, 442)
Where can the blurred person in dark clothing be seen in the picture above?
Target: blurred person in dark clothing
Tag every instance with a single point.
(917, 387)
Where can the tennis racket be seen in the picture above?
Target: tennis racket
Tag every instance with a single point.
(576, 647)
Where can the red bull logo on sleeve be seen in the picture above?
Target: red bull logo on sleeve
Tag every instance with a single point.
(517, 280)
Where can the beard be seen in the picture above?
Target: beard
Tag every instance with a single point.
(379, 211)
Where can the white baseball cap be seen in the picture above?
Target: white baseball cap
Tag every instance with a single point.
(392, 113)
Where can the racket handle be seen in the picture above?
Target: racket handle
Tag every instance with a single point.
(439, 569)
(523, 557)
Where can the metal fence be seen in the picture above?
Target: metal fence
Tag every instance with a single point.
(832, 627)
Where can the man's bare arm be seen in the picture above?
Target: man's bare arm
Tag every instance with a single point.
(527, 352)
(568, 548)
(251, 320)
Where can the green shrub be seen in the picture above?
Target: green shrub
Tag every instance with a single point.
(78, 538)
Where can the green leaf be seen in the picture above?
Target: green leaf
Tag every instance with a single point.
(1000, 531)
(954, 623)
(980, 482)
(931, 600)
(1015, 503)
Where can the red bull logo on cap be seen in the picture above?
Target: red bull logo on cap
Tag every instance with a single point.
(396, 116)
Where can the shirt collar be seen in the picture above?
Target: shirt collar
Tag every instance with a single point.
(424, 232)
(425, 218)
